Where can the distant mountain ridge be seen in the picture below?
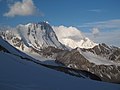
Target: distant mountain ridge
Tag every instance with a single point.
(101, 60)
(41, 35)
(69, 48)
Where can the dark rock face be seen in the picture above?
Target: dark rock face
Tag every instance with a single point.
(3, 49)
(16, 41)
(107, 73)
(111, 53)
(49, 51)
(72, 59)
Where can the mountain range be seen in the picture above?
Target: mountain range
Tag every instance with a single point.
(63, 49)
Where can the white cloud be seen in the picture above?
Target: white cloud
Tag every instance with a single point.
(72, 37)
(95, 10)
(64, 32)
(95, 32)
(110, 38)
(24, 8)
(110, 24)
(102, 32)
(108, 31)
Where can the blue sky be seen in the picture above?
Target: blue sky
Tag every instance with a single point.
(100, 17)
(72, 12)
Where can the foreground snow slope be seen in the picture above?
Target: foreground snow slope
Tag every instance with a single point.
(19, 74)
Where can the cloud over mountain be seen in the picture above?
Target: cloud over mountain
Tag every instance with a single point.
(68, 32)
(72, 37)
(95, 32)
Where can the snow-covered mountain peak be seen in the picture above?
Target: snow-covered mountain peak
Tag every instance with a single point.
(36, 35)
(40, 26)
(40, 35)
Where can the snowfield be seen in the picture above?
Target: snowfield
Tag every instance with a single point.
(98, 60)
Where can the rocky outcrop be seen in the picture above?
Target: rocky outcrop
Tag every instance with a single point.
(108, 52)
(49, 51)
(73, 59)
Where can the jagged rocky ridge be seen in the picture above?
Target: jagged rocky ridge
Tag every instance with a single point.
(107, 69)
(101, 60)
(109, 52)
